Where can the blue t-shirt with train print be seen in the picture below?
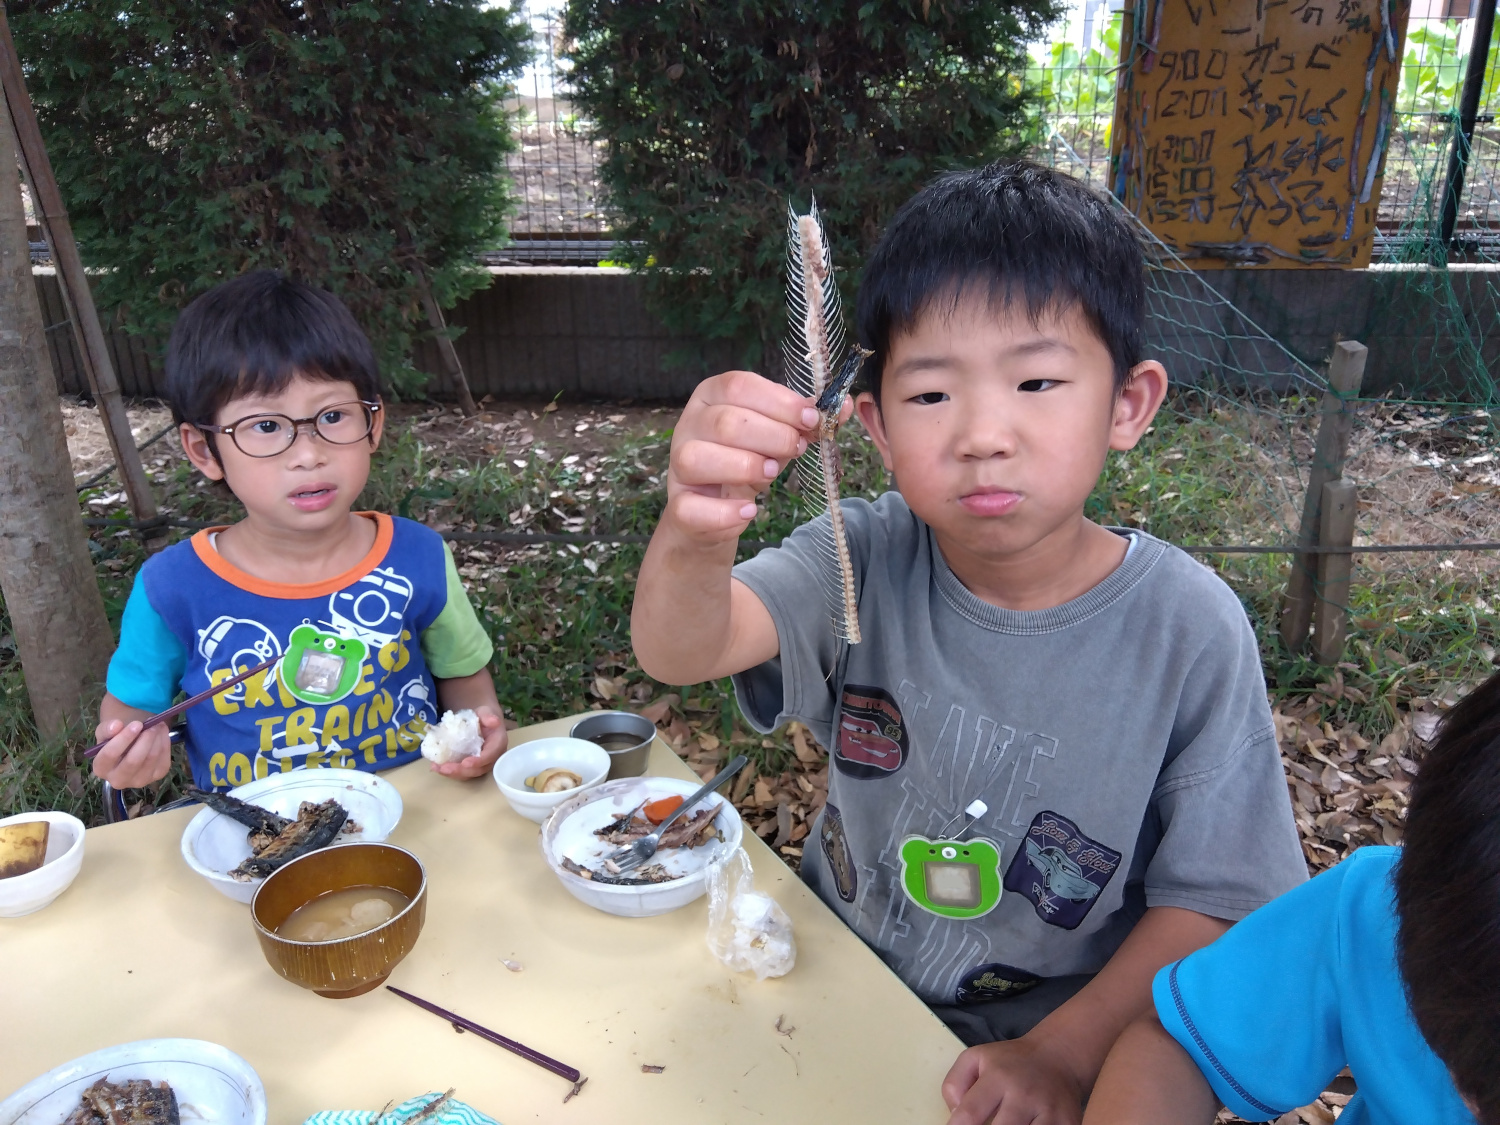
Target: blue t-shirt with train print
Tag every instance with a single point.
(354, 686)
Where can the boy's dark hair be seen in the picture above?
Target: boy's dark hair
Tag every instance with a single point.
(251, 335)
(1013, 229)
(1448, 898)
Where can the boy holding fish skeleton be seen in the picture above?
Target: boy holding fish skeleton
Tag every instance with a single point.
(1053, 764)
(276, 392)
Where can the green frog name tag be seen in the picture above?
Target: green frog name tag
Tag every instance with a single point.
(324, 666)
(951, 878)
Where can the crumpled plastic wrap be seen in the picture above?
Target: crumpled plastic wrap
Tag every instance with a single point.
(747, 929)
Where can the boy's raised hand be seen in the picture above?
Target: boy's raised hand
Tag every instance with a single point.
(132, 757)
(736, 433)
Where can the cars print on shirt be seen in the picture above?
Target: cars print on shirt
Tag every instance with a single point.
(1060, 870)
(871, 740)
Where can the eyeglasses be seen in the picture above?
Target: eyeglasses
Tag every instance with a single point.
(266, 435)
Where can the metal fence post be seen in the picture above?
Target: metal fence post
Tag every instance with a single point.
(1468, 114)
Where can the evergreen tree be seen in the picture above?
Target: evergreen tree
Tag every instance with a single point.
(353, 143)
(718, 114)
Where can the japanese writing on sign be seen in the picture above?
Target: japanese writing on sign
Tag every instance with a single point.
(1254, 132)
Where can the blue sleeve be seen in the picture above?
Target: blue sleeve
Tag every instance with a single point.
(146, 669)
(1258, 1010)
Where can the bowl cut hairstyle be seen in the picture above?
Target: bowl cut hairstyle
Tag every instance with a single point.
(252, 335)
(1012, 230)
(1448, 898)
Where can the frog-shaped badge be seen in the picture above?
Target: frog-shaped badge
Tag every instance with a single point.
(951, 878)
(324, 667)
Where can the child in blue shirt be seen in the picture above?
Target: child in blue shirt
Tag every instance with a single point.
(276, 392)
(1388, 964)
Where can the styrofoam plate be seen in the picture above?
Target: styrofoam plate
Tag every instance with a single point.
(214, 844)
(212, 1083)
(569, 832)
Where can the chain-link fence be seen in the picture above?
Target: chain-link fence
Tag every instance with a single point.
(555, 168)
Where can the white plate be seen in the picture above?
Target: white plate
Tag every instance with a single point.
(212, 1084)
(214, 844)
(569, 832)
(25, 894)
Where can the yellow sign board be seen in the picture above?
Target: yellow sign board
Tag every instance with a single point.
(1254, 132)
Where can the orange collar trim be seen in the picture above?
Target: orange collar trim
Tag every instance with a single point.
(210, 557)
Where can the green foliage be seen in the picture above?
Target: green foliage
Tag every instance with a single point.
(1072, 85)
(717, 115)
(348, 142)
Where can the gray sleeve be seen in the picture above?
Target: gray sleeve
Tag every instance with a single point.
(1228, 843)
(799, 682)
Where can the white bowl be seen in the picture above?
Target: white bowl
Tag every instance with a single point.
(214, 844)
(588, 760)
(25, 894)
(570, 832)
(212, 1084)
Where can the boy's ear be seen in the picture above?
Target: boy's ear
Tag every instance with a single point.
(199, 452)
(1137, 403)
(868, 409)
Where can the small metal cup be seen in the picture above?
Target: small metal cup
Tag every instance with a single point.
(628, 761)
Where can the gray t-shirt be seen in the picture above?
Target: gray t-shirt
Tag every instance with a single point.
(1122, 743)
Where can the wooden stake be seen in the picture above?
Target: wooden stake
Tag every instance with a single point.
(1340, 505)
(445, 346)
(73, 282)
(1346, 371)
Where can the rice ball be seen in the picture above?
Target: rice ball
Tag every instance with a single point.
(455, 737)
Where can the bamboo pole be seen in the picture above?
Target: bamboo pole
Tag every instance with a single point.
(1346, 371)
(77, 297)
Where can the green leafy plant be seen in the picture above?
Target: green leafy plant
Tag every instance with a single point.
(353, 143)
(716, 116)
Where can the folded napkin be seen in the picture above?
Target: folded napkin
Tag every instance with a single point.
(451, 1112)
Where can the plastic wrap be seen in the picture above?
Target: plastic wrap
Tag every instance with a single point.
(747, 929)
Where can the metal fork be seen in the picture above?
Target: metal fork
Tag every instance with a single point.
(634, 854)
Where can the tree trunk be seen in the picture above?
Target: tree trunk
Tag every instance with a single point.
(46, 576)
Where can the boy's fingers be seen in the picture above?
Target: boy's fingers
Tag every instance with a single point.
(724, 517)
(707, 463)
(744, 428)
(745, 388)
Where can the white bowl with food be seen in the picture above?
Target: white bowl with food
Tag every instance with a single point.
(63, 856)
(577, 838)
(208, 1083)
(539, 775)
(218, 847)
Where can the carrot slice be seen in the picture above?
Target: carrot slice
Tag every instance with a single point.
(658, 811)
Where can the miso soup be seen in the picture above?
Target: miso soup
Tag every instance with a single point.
(342, 914)
(616, 741)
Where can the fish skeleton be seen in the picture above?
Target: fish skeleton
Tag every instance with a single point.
(813, 351)
(316, 827)
(136, 1102)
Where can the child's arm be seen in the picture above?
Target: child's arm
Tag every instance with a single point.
(691, 622)
(1046, 1074)
(131, 758)
(474, 693)
(1149, 1079)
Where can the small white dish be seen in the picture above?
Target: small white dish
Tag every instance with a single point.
(570, 832)
(587, 759)
(25, 894)
(214, 844)
(212, 1084)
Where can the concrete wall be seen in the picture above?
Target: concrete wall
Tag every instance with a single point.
(585, 332)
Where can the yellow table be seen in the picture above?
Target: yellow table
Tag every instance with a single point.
(140, 947)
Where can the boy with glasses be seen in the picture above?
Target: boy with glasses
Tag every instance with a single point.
(276, 392)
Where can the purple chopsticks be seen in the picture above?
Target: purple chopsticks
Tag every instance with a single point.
(560, 1069)
(178, 708)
